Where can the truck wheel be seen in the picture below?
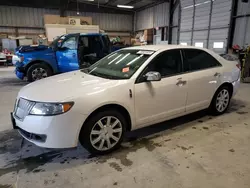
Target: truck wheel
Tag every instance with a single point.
(38, 71)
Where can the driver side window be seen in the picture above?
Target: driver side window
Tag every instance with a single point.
(70, 43)
(167, 63)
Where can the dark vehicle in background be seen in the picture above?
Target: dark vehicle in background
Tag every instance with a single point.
(66, 53)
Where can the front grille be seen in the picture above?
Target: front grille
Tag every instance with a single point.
(23, 108)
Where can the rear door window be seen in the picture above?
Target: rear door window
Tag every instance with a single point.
(106, 43)
(195, 60)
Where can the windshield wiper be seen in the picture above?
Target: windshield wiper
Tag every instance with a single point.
(104, 76)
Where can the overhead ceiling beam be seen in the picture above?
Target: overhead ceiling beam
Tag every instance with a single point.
(110, 2)
(157, 2)
(93, 7)
(134, 2)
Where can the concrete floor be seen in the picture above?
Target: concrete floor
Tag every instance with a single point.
(193, 151)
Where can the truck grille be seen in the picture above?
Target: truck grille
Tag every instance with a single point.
(23, 108)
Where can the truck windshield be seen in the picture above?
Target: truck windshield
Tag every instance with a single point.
(119, 65)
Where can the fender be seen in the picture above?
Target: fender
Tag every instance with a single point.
(33, 61)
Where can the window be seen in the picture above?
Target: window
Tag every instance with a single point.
(218, 45)
(198, 60)
(168, 63)
(84, 41)
(70, 43)
(106, 43)
(199, 44)
(119, 65)
(184, 43)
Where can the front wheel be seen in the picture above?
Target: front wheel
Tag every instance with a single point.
(38, 71)
(103, 132)
(221, 101)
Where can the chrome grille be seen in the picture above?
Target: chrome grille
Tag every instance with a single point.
(23, 108)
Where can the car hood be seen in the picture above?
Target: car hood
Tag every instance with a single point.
(66, 87)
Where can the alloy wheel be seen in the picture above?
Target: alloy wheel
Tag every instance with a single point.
(106, 133)
(222, 100)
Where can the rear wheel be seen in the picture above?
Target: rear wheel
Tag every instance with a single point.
(38, 71)
(221, 101)
(103, 132)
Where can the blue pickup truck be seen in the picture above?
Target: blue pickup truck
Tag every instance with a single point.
(66, 53)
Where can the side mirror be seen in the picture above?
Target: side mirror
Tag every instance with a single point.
(153, 76)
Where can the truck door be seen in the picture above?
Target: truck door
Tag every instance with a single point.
(66, 54)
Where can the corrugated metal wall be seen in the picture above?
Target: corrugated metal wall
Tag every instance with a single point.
(23, 16)
(157, 16)
(33, 17)
(110, 22)
(242, 25)
(175, 29)
(205, 21)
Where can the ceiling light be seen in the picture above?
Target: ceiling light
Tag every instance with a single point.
(125, 6)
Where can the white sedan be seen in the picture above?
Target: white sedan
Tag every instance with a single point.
(128, 89)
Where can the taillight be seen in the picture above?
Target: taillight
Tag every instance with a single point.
(238, 65)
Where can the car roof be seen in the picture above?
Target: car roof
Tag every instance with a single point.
(162, 47)
(93, 34)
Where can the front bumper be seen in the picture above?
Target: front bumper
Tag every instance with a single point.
(60, 131)
(19, 74)
(20, 70)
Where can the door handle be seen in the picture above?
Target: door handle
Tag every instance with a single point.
(217, 74)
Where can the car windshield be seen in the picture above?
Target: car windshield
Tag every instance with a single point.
(119, 65)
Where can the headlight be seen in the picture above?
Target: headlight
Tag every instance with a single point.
(46, 109)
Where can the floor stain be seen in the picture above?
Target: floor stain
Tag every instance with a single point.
(122, 154)
(241, 112)
(232, 150)
(5, 186)
(200, 121)
(206, 128)
(193, 127)
(157, 144)
(10, 142)
(185, 148)
(38, 170)
(115, 166)
(29, 163)
(167, 140)
(49, 182)
(115, 183)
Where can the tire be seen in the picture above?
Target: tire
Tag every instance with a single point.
(92, 132)
(220, 104)
(38, 71)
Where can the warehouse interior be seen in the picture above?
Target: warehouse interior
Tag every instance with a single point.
(196, 150)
